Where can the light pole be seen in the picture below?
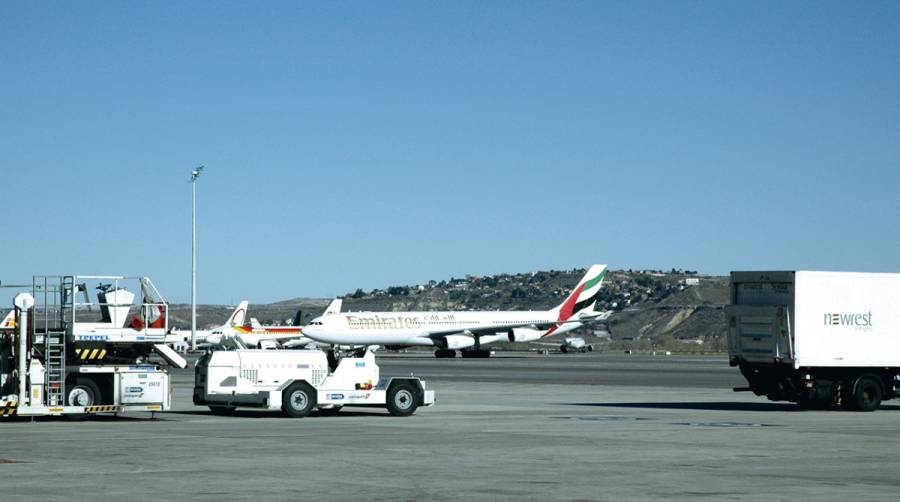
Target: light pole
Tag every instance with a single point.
(194, 175)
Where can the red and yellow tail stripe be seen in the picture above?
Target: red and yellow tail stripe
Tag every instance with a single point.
(268, 330)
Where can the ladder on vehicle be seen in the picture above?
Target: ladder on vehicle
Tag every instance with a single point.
(54, 314)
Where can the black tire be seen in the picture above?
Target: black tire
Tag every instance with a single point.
(82, 392)
(222, 410)
(298, 400)
(402, 399)
(590, 348)
(563, 349)
(866, 394)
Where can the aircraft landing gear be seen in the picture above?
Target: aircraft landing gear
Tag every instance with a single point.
(443, 353)
(479, 353)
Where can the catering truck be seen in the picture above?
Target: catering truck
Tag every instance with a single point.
(63, 354)
(820, 339)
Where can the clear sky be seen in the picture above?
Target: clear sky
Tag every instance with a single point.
(368, 144)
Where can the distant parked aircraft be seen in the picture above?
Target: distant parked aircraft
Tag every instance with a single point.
(236, 319)
(571, 344)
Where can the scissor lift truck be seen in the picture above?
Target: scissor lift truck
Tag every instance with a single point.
(70, 357)
(299, 381)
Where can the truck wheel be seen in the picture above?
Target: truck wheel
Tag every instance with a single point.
(298, 400)
(402, 399)
(222, 410)
(84, 392)
(866, 394)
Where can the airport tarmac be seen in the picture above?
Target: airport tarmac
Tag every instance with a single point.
(526, 427)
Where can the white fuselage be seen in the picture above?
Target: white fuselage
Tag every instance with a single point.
(420, 328)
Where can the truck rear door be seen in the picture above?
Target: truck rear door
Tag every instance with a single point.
(759, 333)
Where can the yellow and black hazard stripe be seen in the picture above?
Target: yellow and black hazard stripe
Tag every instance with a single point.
(101, 409)
(90, 354)
(7, 408)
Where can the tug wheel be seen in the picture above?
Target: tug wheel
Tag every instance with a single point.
(402, 399)
(298, 400)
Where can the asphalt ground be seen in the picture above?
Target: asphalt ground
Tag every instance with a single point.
(525, 427)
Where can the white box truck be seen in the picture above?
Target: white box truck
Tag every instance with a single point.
(817, 338)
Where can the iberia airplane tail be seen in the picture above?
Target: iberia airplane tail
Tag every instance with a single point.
(237, 317)
(9, 322)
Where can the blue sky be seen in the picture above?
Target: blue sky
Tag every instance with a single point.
(353, 144)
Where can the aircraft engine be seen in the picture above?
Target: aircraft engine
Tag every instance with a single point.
(267, 344)
(453, 342)
(486, 339)
(524, 334)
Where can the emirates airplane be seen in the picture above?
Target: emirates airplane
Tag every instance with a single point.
(465, 330)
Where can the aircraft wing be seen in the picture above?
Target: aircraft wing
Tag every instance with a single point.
(295, 342)
(490, 330)
(486, 330)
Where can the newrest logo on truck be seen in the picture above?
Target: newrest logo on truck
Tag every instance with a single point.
(862, 322)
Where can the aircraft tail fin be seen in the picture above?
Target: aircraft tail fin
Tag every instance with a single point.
(237, 317)
(585, 294)
(9, 322)
(298, 319)
(334, 307)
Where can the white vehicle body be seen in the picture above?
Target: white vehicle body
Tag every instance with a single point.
(140, 387)
(225, 380)
(450, 331)
(829, 329)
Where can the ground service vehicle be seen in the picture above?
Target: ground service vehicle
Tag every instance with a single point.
(299, 381)
(817, 338)
(68, 357)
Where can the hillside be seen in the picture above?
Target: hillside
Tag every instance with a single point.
(651, 309)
